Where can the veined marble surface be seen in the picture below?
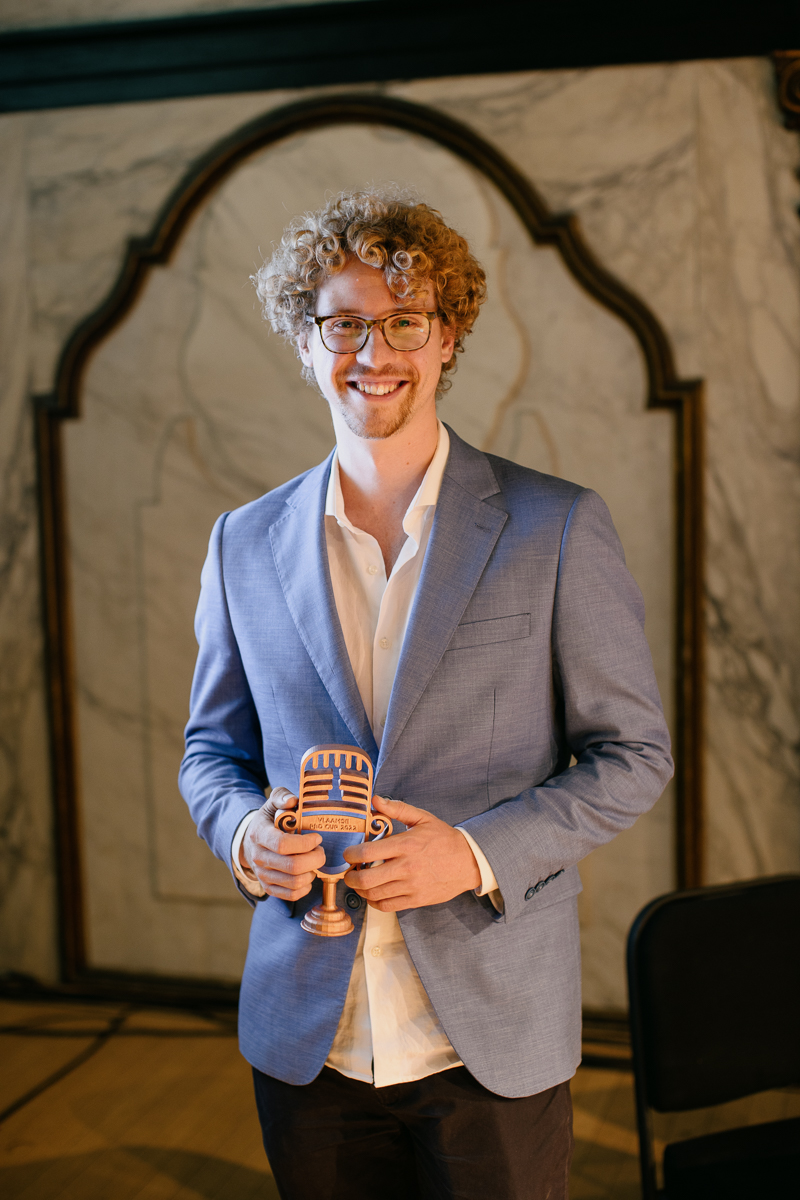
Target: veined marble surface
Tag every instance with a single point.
(686, 186)
(27, 875)
(192, 407)
(684, 182)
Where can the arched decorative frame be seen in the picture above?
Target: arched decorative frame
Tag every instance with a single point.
(665, 390)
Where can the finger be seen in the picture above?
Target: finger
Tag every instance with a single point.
(290, 843)
(263, 832)
(367, 852)
(300, 883)
(281, 797)
(362, 881)
(288, 894)
(396, 904)
(290, 864)
(398, 810)
(387, 891)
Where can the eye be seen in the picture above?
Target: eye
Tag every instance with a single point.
(407, 321)
(343, 324)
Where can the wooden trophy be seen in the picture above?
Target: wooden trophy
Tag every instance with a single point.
(336, 802)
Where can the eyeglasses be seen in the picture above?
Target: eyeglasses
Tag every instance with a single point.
(343, 334)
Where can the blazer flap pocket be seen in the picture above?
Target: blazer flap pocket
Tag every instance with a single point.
(497, 629)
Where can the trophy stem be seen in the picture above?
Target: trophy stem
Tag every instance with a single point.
(326, 919)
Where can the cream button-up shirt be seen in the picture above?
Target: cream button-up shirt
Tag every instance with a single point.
(388, 1032)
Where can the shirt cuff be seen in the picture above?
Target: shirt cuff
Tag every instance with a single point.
(488, 882)
(245, 876)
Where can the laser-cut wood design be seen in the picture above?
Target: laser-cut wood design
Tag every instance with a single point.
(336, 802)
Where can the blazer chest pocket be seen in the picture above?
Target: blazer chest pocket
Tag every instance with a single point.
(497, 629)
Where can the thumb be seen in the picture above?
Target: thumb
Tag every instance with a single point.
(398, 810)
(280, 797)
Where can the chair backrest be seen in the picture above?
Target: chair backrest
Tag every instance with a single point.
(714, 985)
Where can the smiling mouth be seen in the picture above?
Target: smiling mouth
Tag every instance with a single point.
(377, 389)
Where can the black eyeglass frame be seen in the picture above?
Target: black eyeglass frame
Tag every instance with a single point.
(370, 324)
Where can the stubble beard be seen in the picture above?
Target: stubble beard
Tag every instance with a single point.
(377, 421)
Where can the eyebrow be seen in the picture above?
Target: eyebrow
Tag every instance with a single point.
(359, 317)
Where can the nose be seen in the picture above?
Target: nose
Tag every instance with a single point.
(375, 348)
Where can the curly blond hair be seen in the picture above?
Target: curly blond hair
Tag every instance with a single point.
(404, 238)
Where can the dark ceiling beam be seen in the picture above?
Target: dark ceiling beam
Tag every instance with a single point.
(371, 41)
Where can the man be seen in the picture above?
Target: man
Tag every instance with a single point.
(471, 625)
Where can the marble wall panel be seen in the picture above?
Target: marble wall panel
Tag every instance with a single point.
(616, 146)
(748, 284)
(192, 408)
(684, 182)
(27, 908)
(95, 178)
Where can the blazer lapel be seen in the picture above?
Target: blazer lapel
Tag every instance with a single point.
(465, 530)
(301, 559)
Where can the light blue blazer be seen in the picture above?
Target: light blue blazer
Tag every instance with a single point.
(525, 645)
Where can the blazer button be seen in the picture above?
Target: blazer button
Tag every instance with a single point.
(352, 900)
(531, 892)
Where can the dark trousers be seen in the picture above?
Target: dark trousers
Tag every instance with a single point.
(435, 1139)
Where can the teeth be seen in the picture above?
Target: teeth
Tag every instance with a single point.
(377, 389)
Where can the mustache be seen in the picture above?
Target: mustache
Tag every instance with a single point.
(365, 374)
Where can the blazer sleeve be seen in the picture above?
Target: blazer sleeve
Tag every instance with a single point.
(613, 721)
(222, 775)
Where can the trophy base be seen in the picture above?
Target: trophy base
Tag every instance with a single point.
(327, 922)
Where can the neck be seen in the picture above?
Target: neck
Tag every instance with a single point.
(380, 477)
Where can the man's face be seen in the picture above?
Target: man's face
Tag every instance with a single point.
(376, 391)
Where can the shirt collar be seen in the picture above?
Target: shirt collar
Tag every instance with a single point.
(426, 496)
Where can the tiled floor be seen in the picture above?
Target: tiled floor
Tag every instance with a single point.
(162, 1110)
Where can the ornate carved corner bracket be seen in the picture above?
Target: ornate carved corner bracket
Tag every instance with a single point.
(787, 78)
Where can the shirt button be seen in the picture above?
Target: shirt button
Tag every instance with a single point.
(383, 722)
(384, 643)
(375, 951)
(372, 569)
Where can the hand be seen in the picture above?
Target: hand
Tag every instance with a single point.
(283, 863)
(430, 863)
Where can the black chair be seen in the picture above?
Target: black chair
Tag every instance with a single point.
(714, 986)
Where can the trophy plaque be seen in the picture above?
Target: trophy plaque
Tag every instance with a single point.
(336, 802)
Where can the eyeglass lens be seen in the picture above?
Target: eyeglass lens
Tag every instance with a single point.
(403, 331)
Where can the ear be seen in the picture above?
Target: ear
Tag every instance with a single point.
(448, 342)
(303, 349)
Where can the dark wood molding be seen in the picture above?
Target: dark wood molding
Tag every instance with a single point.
(57, 613)
(322, 44)
(684, 397)
(116, 987)
(787, 72)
